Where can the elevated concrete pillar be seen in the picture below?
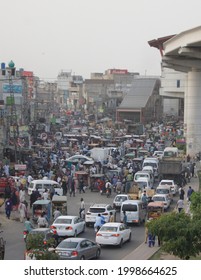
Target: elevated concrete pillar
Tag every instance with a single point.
(193, 111)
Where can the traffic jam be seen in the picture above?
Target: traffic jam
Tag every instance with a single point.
(86, 189)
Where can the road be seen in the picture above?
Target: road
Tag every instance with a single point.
(13, 230)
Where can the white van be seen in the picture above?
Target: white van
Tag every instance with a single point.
(151, 162)
(135, 211)
(144, 174)
(165, 189)
(43, 184)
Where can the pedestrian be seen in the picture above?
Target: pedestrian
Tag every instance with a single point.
(111, 217)
(42, 221)
(22, 194)
(81, 185)
(64, 186)
(82, 208)
(22, 211)
(189, 193)
(28, 225)
(151, 239)
(45, 194)
(8, 207)
(180, 205)
(8, 191)
(98, 222)
(125, 219)
(56, 213)
(181, 193)
(72, 188)
(33, 198)
(144, 199)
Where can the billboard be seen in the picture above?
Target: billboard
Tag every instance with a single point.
(12, 88)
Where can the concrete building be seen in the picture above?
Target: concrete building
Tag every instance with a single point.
(143, 103)
(172, 84)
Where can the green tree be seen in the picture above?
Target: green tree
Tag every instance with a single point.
(179, 233)
(40, 249)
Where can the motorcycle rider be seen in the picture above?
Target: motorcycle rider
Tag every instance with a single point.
(108, 188)
(28, 225)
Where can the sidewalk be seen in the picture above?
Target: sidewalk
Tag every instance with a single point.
(143, 252)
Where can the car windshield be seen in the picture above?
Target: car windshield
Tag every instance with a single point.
(137, 176)
(129, 207)
(162, 191)
(108, 229)
(67, 245)
(63, 221)
(159, 198)
(120, 198)
(97, 210)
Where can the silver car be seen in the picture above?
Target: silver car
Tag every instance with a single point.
(78, 249)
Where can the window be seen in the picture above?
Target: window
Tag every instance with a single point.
(178, 83)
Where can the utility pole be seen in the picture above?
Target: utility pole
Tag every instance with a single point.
(13, 123)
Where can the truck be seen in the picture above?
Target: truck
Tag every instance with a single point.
(170, 168)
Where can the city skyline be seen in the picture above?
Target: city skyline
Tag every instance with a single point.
(89, 36)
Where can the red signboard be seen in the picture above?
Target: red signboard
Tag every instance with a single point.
(118, 71)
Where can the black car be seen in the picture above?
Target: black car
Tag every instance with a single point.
(2, 247)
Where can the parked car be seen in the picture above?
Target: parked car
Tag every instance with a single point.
(171, 183)
(119, 198)
(95, 209)
(113, 234)
(78, 249)
(162, 198)
(68, 225)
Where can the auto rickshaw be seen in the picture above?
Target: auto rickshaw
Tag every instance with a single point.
(83, 174)
(42, 206)
(155, 209)
(59, 202)
(97, 182)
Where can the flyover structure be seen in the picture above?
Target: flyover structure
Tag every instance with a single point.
(182, 53)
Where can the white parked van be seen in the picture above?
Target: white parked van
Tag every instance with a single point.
(43, 184)
(135, 211)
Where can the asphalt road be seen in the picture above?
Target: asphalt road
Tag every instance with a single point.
(13, 230)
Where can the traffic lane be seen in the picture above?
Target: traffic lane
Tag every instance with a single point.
(13, 235)
(107, 252)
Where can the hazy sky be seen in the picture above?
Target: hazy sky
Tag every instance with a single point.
(86, 36)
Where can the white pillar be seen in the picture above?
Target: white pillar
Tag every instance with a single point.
(193, 110)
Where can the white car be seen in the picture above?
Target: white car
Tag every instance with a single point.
(171, 183)
(158, 154)
(119, 198)
(81, 158)
(95, 209)
(113, 234)
(68, 226)
(162, 198)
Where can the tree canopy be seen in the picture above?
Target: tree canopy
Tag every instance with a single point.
(180, 233)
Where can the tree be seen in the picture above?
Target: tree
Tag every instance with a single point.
(180, 234)
(39, 249)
